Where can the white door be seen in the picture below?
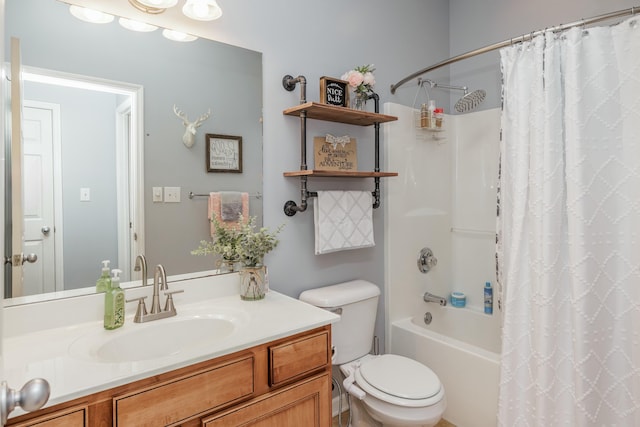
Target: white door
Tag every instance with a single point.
(40, 122)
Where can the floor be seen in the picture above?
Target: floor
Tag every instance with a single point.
(345, 419)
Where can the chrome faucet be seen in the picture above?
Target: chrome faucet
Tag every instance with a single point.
(159, 284)
(429, 297)
(141, 265)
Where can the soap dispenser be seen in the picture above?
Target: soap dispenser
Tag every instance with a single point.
(103, 282)
(114, 303)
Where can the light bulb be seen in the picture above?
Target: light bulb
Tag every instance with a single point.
(90, 15)
(202, 10)
(178, 36)
(132, 25)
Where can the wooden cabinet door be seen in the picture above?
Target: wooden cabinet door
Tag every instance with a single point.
(307, 403)
(76, 417)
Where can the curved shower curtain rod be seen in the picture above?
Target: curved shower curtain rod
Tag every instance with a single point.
(519, 39)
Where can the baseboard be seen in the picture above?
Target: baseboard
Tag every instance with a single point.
(335, 406)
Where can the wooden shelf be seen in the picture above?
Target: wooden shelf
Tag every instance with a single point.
(350, 174)
(331, 113)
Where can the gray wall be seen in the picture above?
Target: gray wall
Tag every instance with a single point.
(475, 24)
(88, 158)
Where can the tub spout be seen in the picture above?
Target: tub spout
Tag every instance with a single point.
(429, 297)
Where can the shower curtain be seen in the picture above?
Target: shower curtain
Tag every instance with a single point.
(569, 229)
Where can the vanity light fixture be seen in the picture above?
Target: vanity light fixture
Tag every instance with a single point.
(90, 15)
(178, 36)
(202, 10)
(153, 6)
(132, 25)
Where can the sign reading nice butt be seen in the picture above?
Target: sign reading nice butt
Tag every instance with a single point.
(334, 92)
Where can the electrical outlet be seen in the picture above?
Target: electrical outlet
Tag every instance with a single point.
(172, 194)
(157, 194)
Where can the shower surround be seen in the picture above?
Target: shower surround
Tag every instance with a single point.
(444, 198)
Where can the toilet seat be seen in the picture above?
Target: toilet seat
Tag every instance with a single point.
(399, 380)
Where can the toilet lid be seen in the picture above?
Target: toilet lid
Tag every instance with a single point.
(400, 376)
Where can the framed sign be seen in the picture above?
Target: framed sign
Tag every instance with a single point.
(332, 153)
(334, 92)
(224, 153)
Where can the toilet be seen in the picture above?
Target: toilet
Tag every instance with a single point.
(386, 390)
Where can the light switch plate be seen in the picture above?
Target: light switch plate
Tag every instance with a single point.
(157, 194)
(85, 194)
(172, 194)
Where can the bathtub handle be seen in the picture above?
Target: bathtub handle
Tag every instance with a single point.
(426, 260)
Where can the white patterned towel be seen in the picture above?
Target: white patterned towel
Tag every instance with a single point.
(343, 220)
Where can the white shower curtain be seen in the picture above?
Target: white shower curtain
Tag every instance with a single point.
(569, 229)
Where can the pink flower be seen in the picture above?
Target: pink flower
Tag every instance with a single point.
(355, 78)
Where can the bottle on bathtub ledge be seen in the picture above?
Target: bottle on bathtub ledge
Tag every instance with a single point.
(488, 298)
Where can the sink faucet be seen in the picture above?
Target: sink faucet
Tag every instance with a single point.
(159, 284)
(429, 297)
(141, 265)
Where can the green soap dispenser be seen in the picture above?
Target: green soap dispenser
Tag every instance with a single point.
(114, 303)
(104, 281)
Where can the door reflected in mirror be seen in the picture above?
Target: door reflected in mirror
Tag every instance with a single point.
(100, 194)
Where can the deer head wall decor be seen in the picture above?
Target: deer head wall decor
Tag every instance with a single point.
(190, 132)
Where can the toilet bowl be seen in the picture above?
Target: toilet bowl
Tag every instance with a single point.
(386, 390)
(394, 391)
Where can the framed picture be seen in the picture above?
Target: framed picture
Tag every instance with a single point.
(334, 92)
(224, 153)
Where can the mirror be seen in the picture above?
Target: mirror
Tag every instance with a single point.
(196, 77)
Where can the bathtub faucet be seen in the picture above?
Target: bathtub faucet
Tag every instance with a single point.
(429, 297)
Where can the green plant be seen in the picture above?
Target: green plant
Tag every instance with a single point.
(226, 242)
(254, 245)
(240, 242)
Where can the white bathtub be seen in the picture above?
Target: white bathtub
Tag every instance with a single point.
(462, 347)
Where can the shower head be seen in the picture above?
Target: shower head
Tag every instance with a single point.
(470, 101)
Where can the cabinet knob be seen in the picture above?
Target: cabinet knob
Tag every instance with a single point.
(31, 397)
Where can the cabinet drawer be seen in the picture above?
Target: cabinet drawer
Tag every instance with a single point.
(299, 357)
(186, 397)
(307, 403)
(74, 417)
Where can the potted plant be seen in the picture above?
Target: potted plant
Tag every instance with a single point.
(226, 244)
(361, 80)
(253, 246)
(240, 243)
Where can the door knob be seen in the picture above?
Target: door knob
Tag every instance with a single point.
(46, 230)
(31, 397)
(31, 258)
(19, 259)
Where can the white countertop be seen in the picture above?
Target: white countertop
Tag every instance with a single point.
(37, 351)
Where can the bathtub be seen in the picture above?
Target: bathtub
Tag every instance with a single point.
(462, 347)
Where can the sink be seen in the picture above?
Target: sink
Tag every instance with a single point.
(153, 340)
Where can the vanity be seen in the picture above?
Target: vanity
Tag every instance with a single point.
(220, 362)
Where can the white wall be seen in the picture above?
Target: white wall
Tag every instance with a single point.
(444, 200)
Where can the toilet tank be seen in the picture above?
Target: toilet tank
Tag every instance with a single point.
(357, 303)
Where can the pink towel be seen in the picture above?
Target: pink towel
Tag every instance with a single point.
(214, 209)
